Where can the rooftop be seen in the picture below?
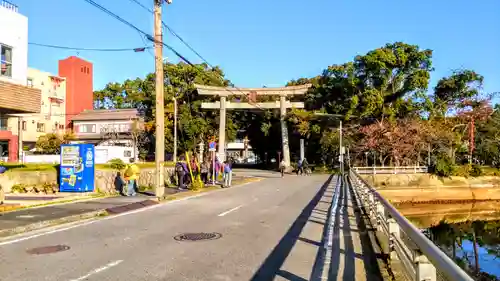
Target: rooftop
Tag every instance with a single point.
(107, 114)
(9, 6)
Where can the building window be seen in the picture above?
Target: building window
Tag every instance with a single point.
(86, 128)
(29, 83)
(4, 124)
(24, 125)
(5, 61)
(127, 153)
(40, 127)
(61, 127)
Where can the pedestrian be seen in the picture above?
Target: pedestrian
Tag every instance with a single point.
(180, 171)
(227, 174)
(299, 167)
(305, 167)
(282, 168)
(217, 169)
(204, 167)
(131, 175)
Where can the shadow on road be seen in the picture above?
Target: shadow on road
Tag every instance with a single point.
(272, 266)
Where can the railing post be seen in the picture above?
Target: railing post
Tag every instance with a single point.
(380, 215)
(424, 270)
(371, 200)
(393, 235)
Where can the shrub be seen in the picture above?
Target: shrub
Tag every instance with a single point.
(476, 170)
(117, 164)
(19, 188)
(196, 185)
(443, 167)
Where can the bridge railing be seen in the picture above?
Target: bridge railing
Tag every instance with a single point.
(420, 258)
(391, 170)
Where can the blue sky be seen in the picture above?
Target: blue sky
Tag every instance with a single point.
(269, 42)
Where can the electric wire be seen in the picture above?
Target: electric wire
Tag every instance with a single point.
(138, 49)
(172, 31)
(149, 37)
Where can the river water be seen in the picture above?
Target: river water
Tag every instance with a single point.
(468, 232)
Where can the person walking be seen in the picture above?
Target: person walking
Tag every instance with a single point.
(228, 177)
(282, 168)
(181, 171)
(131, 175)
(204, 167)
(299, 167)
(305, 166)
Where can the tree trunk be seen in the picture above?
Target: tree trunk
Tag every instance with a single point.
(476, 254)
(454, 253)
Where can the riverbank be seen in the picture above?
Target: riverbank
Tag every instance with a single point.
(425, 188)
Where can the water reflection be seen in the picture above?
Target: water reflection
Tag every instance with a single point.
(470, 233)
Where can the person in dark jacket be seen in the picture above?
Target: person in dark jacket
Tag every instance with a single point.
(181, 171)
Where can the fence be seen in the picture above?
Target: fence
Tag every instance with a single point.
(419, 256)
(391, 170)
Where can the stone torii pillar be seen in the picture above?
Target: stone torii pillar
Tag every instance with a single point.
(251, 93)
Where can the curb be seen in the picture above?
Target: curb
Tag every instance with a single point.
(43, 224)
(110, 212)
(57, 203)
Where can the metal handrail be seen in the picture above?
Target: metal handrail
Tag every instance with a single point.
(392, 169)
(438, 258)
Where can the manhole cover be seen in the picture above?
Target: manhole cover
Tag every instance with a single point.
(47, 250)
(198, 236)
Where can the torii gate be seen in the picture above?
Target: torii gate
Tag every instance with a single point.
(252, 93)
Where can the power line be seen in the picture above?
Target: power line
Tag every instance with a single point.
(139, 49)
(148, 36)
(172, 31)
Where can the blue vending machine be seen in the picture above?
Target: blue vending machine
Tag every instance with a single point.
(77, 168)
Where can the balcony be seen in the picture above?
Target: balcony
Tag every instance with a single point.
(19, 99)
(9, 6)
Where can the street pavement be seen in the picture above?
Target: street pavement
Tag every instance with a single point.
(29, 216)
(270, 230)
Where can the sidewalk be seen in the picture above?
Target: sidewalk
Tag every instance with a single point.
(38, 217)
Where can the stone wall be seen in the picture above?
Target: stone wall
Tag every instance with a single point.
(104, 179)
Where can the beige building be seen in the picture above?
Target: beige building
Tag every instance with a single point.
(51, 118)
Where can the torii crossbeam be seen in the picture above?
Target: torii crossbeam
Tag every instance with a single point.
(251, 94)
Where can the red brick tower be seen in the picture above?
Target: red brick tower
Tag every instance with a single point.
(79, 86)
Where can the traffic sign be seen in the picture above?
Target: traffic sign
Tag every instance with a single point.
(211, 146)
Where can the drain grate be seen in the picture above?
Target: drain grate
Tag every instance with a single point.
(198, 236)
(48, 250)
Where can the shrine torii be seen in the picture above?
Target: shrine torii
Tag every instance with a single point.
(251, 94)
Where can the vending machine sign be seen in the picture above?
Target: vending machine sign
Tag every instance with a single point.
(77, 168)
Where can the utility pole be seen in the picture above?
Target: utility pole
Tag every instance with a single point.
(175, 129)
(160, 108)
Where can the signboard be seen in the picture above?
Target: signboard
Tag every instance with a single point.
(77, 168)
(211, 146)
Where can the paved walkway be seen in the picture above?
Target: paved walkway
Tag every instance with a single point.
(353, 255)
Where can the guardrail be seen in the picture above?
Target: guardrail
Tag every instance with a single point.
(422, 260)
(391, 170)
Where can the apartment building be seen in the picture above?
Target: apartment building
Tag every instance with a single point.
(16, 98)
(52, 116)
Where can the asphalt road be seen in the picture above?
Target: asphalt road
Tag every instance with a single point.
(271, 230)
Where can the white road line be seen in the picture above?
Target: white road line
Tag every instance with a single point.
(97, 270)
(229, 211)
(92, 221)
